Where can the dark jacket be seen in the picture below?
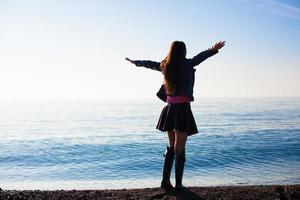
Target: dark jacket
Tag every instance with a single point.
(186, 86)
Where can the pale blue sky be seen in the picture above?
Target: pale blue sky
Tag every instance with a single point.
(76, 49)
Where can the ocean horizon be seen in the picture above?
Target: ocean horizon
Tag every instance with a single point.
(113, 144)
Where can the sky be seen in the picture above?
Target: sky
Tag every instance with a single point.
(71, 49)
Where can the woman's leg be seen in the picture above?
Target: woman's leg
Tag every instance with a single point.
(168, 163)
(180, 141)
(171, 136)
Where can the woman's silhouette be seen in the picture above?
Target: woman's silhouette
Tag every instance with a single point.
(176, 117)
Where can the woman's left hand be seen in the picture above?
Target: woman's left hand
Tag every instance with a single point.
(218, 45)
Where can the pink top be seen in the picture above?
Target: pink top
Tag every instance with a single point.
(178, 99)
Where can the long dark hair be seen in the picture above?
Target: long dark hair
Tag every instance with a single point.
(170, 66)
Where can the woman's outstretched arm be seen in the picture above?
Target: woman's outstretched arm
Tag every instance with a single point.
(146, 63)
(207, 53)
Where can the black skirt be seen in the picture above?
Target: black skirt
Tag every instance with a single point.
(177, 117)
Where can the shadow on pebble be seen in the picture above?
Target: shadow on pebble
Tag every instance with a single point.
(185, 194)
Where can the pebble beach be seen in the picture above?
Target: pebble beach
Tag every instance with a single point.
(264, 192)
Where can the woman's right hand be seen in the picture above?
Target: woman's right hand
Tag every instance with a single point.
(129, 60)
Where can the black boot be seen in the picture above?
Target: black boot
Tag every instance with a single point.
(179, 167)
(169, 159)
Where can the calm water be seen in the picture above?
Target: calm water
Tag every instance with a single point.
(113, 144)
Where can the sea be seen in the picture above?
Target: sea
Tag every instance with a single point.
(113, 144)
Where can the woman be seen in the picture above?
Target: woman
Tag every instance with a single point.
(176, 117)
